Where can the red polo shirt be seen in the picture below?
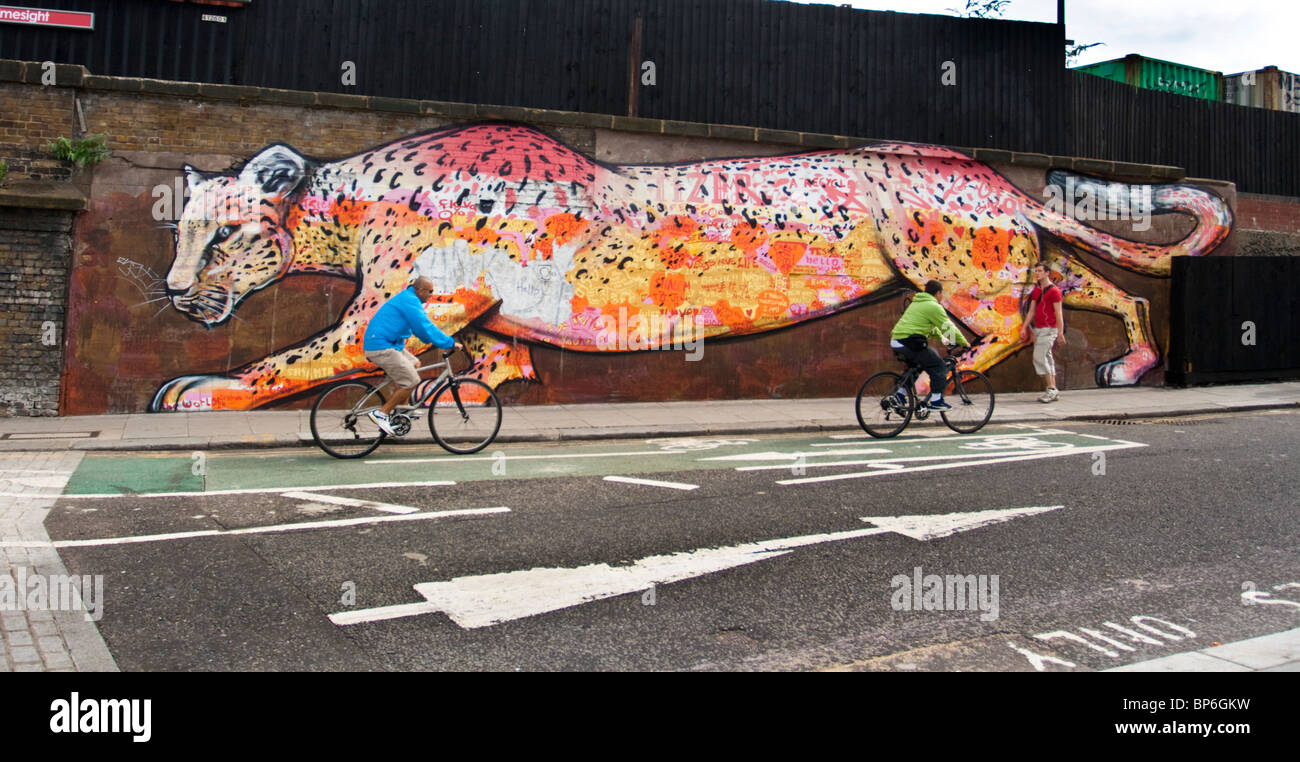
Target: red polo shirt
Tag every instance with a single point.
(1045, 312)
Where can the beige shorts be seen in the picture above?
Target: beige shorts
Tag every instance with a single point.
(1044, 338)
(399, 365)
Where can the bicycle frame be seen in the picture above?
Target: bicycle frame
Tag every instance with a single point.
(413, 409)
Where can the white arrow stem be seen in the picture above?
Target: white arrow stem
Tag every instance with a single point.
(489, 599)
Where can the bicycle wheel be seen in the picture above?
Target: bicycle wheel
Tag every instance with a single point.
(339, 423)
(880, 412)
(464, 416)
(971, 395)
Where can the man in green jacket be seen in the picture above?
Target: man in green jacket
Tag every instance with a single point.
(924, 318)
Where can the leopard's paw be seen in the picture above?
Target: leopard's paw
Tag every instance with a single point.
(187, 394)
(1127, 370)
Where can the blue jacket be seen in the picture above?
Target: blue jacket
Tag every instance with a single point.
(394, 323)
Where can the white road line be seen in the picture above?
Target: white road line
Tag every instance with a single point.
(459, 459)
(331, 524)
(652, 482)
(361, 616)
(257, 490)
(963, 464)
(964, 437)
(773, 455)
(874, 462)
(351, 502)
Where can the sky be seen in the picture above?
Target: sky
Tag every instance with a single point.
(1229, 36)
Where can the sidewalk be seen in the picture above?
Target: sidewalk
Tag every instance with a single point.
(546, 423)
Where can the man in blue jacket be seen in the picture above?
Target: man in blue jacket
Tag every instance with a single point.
(385, 344)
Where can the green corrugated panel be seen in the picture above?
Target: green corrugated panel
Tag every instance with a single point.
(1177, 78)
(1108, 69)
(1166, 76)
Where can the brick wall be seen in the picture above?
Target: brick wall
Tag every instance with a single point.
(1268, 226)
(30, 118)
(34, 259)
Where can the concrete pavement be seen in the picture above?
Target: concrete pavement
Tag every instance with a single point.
(540, 423)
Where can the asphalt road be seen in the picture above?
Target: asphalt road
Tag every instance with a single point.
(1107, 545)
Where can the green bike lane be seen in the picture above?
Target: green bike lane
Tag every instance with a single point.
(790, 459)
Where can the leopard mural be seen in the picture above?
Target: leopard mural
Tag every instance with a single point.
(529, 240)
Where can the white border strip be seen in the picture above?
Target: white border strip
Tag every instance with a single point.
(258, 490)
(331, 524)
(503, 456)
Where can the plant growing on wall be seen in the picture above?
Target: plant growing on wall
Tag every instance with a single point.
(4, 170)
(1072, 52)
(981, 9)
(89, 150)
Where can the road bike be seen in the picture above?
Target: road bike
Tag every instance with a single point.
(887, 401)
(464, 413)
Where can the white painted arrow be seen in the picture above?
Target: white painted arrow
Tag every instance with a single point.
(489, 599)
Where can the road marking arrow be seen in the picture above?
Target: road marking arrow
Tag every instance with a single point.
(652, 483)
(351, 502)
(490, 599)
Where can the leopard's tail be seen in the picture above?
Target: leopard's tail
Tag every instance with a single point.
(1073, 198)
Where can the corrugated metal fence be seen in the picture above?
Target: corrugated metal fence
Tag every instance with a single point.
(815, 68)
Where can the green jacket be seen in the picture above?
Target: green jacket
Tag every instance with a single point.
(927, 317)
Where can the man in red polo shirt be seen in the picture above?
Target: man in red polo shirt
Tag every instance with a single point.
(1048, 325)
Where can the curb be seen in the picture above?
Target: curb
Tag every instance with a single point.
(285, 441)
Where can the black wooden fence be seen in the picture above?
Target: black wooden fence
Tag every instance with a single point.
(1256, 148)
(814, 68)
(1234, 318)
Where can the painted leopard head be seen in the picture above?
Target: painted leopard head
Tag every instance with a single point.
(231, 239)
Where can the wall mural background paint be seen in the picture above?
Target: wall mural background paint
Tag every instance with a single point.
(553, 265)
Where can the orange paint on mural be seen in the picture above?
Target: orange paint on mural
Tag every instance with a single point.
(963, 303)
(1007, 305)
(926, 229)
(668, 290)
(351, 212)
(732, 317)
(785, 255)
(748, 237)
(991, 248)
(565, 227)
(772, 302)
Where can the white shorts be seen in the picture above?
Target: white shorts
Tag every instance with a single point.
(1044, 338)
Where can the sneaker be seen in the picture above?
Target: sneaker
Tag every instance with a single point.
(1051, 395)
(939, 405)
(381, 421)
